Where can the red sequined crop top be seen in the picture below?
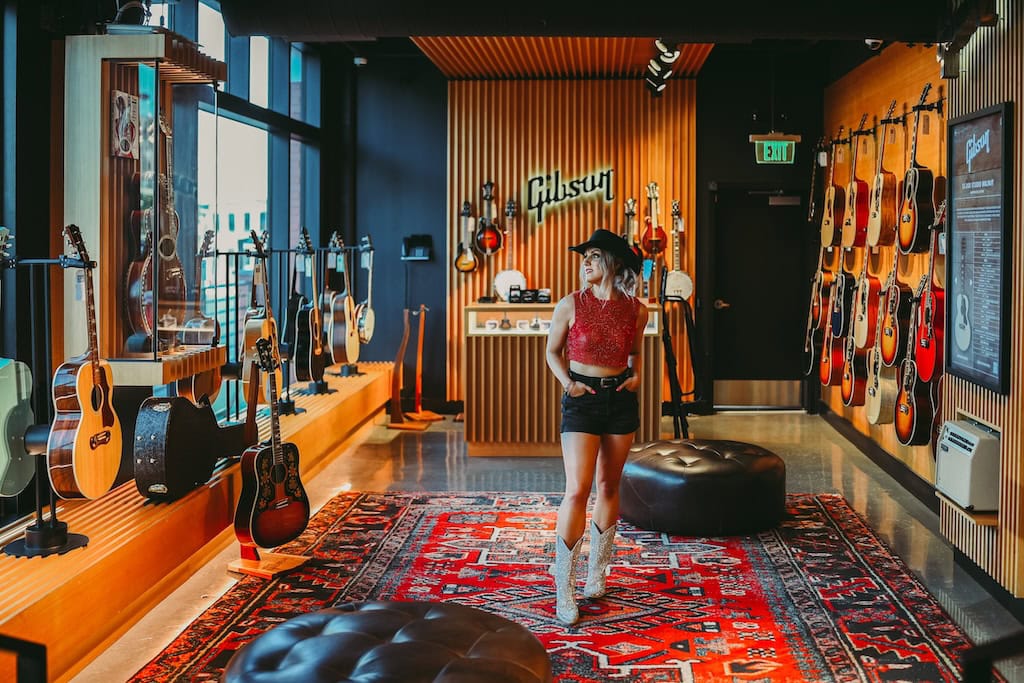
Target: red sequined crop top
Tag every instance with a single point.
(603, 331)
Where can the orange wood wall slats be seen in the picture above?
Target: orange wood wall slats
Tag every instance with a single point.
(510, 131)
(898, 72)
(991, 72)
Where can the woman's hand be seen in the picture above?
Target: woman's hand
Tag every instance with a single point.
(631, 383)
(576, 389)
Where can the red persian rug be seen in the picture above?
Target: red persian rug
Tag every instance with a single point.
(818, 599)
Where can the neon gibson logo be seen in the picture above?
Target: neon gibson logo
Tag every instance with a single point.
(975, 145)
(545, 190)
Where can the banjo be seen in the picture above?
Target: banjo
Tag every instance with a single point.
(508, 278)
(678, 285)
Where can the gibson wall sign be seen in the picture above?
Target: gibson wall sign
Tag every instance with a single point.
(549, 190)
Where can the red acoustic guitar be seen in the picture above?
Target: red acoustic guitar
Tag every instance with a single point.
(917, 212)
(855, 220)
(929, 335)
(83, 452)
(273, 507)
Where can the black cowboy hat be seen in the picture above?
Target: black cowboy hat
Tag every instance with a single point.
(606, 240)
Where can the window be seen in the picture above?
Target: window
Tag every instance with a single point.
(211, 31)
(259, 70)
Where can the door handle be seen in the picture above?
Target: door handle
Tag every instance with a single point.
(721, 305)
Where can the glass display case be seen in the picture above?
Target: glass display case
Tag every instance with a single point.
(524, 319)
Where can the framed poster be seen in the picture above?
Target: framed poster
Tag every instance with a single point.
(978, 256)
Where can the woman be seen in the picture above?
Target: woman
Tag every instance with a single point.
(594, 352)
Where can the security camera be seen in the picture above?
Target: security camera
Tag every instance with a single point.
(873, 43)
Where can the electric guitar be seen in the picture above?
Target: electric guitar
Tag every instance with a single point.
(913, 411)
(830, 360)
(488, 238)
(654, 238)
(931, 319)
(506, 279)
(678, 285)
(365, 317)
(882, 203)
(962, 325)
(465, 260)
(855, 371)
(898, 308)
(201, 330)
(855, 221)
(865, 306)
(272, 507)
(16, 416)
(259, 323)
(343, 337)
(308, 355)
(834, 204)
(880, 394)
(83, 452)
(917, 212)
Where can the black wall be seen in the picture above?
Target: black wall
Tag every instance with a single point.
(400, 173)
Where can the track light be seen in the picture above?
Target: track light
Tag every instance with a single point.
(660, 67)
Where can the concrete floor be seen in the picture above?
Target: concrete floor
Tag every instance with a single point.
(818, 460)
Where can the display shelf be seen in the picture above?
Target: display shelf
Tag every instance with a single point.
(168, 367)
(978, 518)
(504, 319)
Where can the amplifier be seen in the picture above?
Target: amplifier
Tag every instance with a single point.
(967, 465)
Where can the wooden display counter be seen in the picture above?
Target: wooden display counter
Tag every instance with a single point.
(513, 403)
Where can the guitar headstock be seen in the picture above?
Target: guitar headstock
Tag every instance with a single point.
(924, 94)
(676, 211)
(488, 191)
(891, 111)
(863, 122)
(265, 355)
(305, 244)
(940, 217)
(467, 210)
(630, 209)
(510, 208)
(257, 245)
(74, 235)
(652, 191)
(204, 248)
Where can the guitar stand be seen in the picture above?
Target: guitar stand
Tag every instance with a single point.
(680, 425)
(319, 388)
(348, 370)
(396, 417)
(45, 537)
(285, 403)
(419, 413)
(266, 566)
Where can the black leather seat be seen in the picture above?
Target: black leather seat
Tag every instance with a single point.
(393, 642)
(701, 487)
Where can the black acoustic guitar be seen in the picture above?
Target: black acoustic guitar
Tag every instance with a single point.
(309, 355)
(273, 507)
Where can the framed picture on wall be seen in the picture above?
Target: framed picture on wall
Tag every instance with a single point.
(978, 256)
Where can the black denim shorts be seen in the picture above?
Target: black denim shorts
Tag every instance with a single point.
(606, 411)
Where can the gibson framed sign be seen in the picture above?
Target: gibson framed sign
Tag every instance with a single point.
(978, 256)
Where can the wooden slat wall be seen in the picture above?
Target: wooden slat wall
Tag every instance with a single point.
(508, 131)
(990, 73)
(899, 73)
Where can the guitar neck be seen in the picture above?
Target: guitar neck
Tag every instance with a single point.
(90, 320)
(275, 422)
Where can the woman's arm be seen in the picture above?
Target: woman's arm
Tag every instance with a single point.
(555, 353)
(636, 359)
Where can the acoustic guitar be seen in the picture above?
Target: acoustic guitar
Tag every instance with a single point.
(465, 259)
(272, 507)
(678, 284)
(201, 330)
(855, 372)
(882, 203)
(835, 202)
(83, 452)
(880, 394)
(855, 219)
(865, 306)
(831, 358)
(821, 285)
(505, 280)
(898, 309)
(308, 356)
(929, 336)
(343, 338)
(654, 238)
(841, 301)
(16, 416)
(913, 410)
(917, 212)
(488, 238)
(365, 318)
(259, 323)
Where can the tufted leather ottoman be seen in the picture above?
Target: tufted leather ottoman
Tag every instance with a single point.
(702, 487)
(393, 642)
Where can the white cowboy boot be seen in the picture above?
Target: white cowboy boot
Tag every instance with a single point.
(601, 545)
(564, 571)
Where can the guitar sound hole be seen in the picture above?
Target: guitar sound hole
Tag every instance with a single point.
(96, 398)
(167, 247)
(278, 473)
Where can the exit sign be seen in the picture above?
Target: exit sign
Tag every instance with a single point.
(775, 148)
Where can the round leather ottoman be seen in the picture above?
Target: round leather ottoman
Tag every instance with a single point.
(702, 487)
(393, 642)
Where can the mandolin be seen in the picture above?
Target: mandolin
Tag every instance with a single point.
(855, 219)
(308, 355)
(654, 238)
(917, 212)
(834, 203)
(881, 229)
(364, 311)
(204, 331)
(505, 280)
(465, 259)
(259, 323)
(83, 452)
(272, 507)
(488, 238)
(343, 338)
(929, 335)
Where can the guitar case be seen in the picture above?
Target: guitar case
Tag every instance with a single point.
(176, 447)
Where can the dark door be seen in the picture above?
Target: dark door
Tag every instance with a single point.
(758, 302)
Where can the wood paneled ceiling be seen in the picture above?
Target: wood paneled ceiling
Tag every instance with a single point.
(495, 58)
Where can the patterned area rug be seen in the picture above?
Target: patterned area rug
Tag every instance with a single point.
(818, 599)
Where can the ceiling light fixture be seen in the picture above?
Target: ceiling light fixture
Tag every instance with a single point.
(660, 67)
